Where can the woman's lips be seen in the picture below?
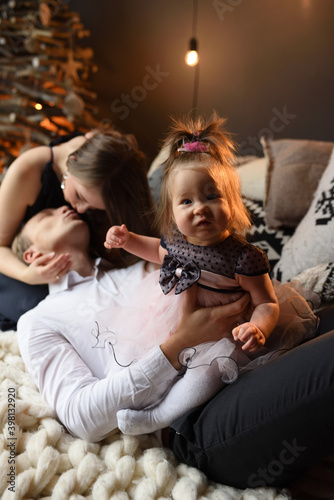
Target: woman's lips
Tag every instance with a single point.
(72, 214)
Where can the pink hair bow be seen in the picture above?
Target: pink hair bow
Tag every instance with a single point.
(194, 147)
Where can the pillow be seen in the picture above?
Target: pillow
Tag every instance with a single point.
(294, 170)
(312, 243)
(271, 241)
(253, 178)
(155, 173)
(159, 160)
(155, 181)
(320, 279)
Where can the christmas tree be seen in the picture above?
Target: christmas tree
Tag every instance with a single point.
(45, 71)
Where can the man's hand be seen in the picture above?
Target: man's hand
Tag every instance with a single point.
(251, 335)
(117, 237)
(202, 324)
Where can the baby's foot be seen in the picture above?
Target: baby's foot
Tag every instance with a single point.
(135, 422)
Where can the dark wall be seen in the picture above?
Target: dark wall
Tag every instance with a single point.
(266, 65)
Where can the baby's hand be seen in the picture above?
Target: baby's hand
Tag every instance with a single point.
(250, 334)
(117, 237)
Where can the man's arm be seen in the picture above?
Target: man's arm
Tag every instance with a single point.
(86, 405)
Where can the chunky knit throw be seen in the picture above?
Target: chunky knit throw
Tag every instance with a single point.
(39, 459)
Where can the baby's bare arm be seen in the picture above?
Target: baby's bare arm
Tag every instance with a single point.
(145, 247)
(264, 316)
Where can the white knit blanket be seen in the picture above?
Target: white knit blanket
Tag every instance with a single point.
(40, 460)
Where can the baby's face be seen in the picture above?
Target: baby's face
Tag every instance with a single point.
(200, 210)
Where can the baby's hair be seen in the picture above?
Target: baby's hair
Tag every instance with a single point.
(217, 160)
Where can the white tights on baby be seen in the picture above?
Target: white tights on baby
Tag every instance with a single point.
(197, 386)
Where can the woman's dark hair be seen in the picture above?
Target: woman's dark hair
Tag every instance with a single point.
(113, 163)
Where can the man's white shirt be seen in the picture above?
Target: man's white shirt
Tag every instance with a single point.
(65, 343)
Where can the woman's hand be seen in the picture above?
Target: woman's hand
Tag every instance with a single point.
(202, 324)
(46, 269)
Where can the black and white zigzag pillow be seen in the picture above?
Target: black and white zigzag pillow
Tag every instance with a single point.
(271, 241)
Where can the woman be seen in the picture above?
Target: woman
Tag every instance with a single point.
(102, 172)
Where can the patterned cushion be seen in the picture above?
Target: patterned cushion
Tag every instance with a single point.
(313, 241)
(320, 279)
(269, 240)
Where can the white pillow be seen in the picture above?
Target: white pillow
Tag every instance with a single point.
(253, 178)
(312, 243)
(159, 160)
(320, 280)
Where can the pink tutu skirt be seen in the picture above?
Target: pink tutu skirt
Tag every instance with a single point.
(152, 317)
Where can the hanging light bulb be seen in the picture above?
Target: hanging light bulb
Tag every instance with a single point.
(192, 58)
(192, 54)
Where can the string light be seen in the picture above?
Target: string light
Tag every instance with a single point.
(192, 54)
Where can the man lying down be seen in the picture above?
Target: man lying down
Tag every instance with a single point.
(66, 342)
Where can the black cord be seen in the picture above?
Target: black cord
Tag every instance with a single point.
(195, 11)
(196, 68)
(195, 91)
